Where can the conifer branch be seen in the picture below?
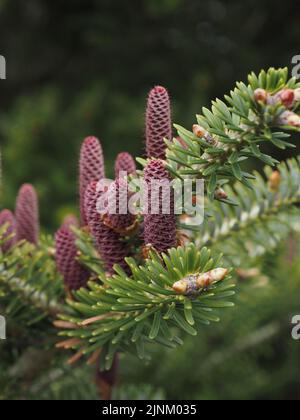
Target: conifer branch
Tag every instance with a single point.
(232, 131)
(125, 313)
(261, 218)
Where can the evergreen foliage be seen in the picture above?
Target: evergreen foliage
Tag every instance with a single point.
(143, 288)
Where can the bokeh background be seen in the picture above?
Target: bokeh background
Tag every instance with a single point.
(84, 67)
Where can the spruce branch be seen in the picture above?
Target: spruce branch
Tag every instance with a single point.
(262, 217)
(125, 313)
(232, 131)
(29, 281)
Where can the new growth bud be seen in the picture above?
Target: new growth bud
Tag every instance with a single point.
(274, 181)
(261, 95)
(289, 118)
(194, 284)
(220, 194)
(199, 131)
(287, 97)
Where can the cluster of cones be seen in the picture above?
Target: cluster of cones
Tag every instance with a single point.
(110, 232)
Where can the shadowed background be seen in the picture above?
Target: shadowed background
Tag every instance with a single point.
(79, 68)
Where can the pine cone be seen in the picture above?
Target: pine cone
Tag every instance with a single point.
(108, 242)
(118, 196)
(91, 168)
(125, 163)
(27, 214)
(7, 218)
(74, 274)
(158, 122)
(159, 229)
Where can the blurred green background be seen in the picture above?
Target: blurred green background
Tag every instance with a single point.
(77, 68)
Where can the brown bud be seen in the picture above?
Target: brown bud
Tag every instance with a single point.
(287, 97)
(199, 131)
(289, 118)
(274, 181)
(220, 194)
(180, 287)
(261, 95)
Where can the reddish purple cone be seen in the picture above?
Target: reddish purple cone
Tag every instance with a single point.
(109, 243)
(159, 229)
(124, 162)
(91, 168)
(7, 218)
(27, 214)
(75, 275)
(118, 216)
(158, 122)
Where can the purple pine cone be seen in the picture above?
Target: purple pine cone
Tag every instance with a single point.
(159, 229)
(118, 216)
(91, 168)
(75, 275)
(125, 163)
(158, 122)
(7, 218)
(27, 214)
(108, 242)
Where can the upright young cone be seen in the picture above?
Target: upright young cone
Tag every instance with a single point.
(118, 216)
(158, 122)
(109, 243)
(160, 228)
(7, 218)
(27, 214)
(124, 162)
(74, 274)
(91, 168)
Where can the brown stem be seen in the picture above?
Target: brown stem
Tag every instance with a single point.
(107, 380)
